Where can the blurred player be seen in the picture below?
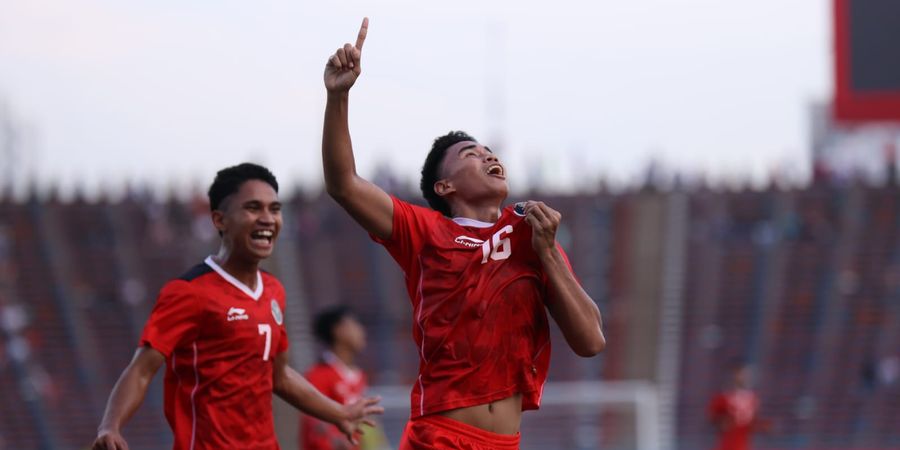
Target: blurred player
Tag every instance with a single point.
(734, 411)
(479, 277)
(219, 329)
(335, 375)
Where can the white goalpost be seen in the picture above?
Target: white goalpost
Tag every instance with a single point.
(609, 415)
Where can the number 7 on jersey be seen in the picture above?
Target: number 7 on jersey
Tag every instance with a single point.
(266, 329)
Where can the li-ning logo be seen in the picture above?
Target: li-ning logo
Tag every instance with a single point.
(237, 314)
(468, 241)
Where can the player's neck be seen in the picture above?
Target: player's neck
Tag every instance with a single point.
(483, 212)
(344, 354)
(241, 269)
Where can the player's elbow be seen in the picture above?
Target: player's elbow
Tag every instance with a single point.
(279, 382)
(336, 191)
(590, 350)
(277, 385)
(591, 346)
(340, 186)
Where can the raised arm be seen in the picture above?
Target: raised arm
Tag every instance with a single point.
(366, 202)
(571, 307)
(296, 390)
(127, 395)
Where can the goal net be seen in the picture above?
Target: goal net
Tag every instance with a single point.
(589, 415)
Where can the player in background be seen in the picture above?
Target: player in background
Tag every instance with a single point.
(479, 277)
(337, 376)
(219, 329)
(734, 411)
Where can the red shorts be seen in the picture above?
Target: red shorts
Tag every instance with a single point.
(436, 432)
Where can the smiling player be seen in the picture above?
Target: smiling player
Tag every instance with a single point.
(219, 329)
(479, 277)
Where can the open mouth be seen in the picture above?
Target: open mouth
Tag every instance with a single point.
(262, 237)
(496, 170)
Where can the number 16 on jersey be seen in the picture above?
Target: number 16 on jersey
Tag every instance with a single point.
(498, 248)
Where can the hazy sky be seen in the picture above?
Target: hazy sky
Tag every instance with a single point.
(169, 91)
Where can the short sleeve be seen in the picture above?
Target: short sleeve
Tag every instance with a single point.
(410, 223)
(175, 319)
(284, 342)
(718, 407)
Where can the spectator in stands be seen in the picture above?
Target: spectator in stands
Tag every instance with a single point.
(868, 376)
(889, 370)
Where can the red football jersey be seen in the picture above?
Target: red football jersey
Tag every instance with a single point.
(219, 339)
(477, 292)
(340, 383)
(737, 408)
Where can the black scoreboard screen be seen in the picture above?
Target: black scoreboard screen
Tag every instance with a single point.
(867, 60)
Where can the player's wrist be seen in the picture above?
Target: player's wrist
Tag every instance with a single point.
(549, 254)
(109, 425)
(338, 94)
(344, 415)
(106, 430)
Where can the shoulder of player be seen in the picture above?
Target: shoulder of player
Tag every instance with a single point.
(194, 273)
(416, 209)
(271, 280)
(321, 374)
(177, 291)
(193, 282)
(187, 280)
(317, 368)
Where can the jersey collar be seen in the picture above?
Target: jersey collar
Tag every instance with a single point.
(467, 222)
(348, 373)
(255, 295)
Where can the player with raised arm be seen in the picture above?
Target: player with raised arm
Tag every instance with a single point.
(219, 329)
(479, 277)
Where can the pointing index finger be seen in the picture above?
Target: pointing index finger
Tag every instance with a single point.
(363, 30)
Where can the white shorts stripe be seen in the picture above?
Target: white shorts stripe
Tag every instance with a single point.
(421, 306)
(193, 405)
(421, 397)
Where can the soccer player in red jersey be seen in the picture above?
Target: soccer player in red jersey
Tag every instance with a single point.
(219, 329)
(335, 375)
(734, 412)
(479, 277)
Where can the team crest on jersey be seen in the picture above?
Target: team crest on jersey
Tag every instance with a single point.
(519, 209)
(276, 312)
(468, 241)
